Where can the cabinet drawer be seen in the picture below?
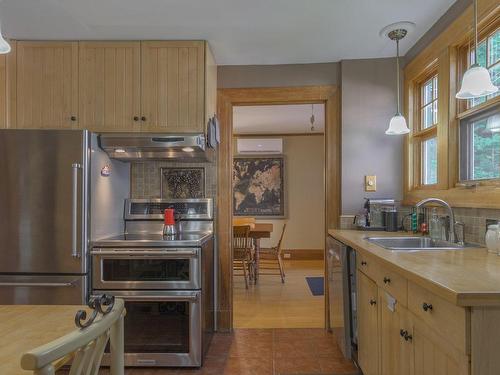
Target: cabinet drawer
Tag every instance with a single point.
(367, 265)
(447, 319)
(392, 282)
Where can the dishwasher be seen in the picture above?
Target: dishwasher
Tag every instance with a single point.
(342, 311)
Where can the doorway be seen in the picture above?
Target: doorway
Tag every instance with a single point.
(278, 190)
(227, 100)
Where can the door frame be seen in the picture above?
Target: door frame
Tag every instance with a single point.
(329, 95)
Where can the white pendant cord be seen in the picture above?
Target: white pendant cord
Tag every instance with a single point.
(475, 33)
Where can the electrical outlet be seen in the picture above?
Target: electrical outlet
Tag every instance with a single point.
(287, 256)
(370, 183)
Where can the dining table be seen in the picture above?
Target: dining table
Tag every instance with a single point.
(257, 232)
(26, 327)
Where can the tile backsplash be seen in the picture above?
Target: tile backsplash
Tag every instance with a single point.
(145, 179)
(473, 218)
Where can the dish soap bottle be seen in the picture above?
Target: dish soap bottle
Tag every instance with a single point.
(435, 226)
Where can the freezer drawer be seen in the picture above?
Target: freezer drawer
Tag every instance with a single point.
(43, 290)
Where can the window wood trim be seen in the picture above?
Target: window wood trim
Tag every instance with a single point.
(445, 52)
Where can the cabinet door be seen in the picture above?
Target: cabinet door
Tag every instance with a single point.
(173, 85)
(110, 78)
(433, 355)
(395, 337)
(47, 85)
(368, 332)
(3, 91)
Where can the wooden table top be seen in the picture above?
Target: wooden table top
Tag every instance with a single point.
(261, 230)
(25, 327)
(469, 277)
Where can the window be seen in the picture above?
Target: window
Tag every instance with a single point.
(488, 55)
(424, 134)
(428, 102)
(480, 146)
(429, 161)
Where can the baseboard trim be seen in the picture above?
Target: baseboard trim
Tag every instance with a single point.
(303, 254)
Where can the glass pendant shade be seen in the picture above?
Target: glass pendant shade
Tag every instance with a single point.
(4, 46)
(397, 126)
(476, 83)
(493, 124)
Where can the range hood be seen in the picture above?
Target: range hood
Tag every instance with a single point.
(156, 146)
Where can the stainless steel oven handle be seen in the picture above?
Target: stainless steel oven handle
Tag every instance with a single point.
(161, 298)
(170, 254)
(51, 285)
(74, 228)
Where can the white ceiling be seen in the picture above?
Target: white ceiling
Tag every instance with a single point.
(278, 119)
(239, 31)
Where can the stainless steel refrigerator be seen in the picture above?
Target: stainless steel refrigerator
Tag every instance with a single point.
(58, 192)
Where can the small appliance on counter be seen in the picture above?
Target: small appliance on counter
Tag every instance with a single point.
(378, 214)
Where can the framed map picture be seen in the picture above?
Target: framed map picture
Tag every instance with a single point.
(258, 186)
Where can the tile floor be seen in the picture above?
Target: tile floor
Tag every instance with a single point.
(267, 352)
(271, 304)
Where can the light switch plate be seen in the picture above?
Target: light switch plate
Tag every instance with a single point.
(370, 183)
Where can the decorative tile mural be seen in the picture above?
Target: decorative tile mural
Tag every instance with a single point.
(182, 183)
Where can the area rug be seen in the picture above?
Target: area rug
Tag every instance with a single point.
(316, 285)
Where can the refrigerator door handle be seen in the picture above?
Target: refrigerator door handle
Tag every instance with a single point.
(74, 235)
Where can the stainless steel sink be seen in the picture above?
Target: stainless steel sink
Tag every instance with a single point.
(414, 243)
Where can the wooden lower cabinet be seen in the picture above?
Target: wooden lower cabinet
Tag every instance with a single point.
(368, 333)
(433, 355)
(394, 341)
(395, 336)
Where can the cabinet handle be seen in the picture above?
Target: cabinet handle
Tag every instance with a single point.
(73, 118)
(403, 333)
(373, 302)
(387, 280)
(363, 263)
(136, 118)
(427, 306)
(408, 337)
(143, 118)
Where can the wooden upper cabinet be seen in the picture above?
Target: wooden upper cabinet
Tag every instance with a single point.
(3, 92)
(173, 85)
(47, 85)
(110, 84)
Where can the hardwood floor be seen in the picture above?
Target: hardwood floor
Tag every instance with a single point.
(271, 304)
(266, 352)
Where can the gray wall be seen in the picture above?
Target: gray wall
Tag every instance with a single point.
(233, 76)
(368, 103)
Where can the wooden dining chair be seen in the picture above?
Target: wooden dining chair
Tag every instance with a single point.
(84, 347)
(243, 258)
(271, 259)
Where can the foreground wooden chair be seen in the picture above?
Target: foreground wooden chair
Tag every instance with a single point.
(84, 347)
(243, 259)
(271, 259)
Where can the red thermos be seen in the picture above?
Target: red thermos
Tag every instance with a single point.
(169, 228)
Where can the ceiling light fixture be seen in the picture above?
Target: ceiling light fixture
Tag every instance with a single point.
(476, 81)
(4, 45)
(119, 150)
(188, 149)
(397, 125)
(493, 123)
(312, 119)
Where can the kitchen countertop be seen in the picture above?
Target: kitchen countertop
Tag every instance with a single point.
(468, 277)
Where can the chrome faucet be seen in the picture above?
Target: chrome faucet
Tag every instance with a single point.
(452, 234)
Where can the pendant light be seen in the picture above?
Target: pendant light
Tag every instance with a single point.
(476, 81)
(4, 45)
(397, 125)
(493, 123)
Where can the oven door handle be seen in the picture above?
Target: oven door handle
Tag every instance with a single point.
(192, 297)
(169, 254)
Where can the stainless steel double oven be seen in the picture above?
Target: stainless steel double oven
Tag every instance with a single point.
(166, 282)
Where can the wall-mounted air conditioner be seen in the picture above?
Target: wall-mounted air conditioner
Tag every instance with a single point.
(259, 146)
